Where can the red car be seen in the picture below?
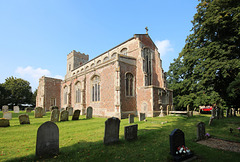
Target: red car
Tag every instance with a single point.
(205, 109)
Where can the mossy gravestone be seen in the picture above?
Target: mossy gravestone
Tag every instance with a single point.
(200, 131)
(16, 109)
(142, 116)
(89, 112)
(64, 115)
(7, 115)
(5, 108)
(28, 109)
(38, 112)
(76, 114)
(4, 122)
(47, 140)
(111, 134)
(70, 111)
(55, 115)
(24, 119)
(130, 118)
(130, 132)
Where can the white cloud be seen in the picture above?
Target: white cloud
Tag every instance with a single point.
(32, 75)
(164, 47)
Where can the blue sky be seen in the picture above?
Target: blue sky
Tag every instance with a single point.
(37, 35)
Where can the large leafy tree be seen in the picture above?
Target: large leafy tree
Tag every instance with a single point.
(18, 91)
(207, 70)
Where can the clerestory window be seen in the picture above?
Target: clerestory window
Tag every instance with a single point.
(96, 88)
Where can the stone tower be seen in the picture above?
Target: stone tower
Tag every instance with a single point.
(74, 60)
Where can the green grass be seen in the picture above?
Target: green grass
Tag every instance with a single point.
(82, 140)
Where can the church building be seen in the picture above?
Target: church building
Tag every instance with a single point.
(127, 79)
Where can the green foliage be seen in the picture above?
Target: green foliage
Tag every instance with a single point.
(18, 91)
(207, 69)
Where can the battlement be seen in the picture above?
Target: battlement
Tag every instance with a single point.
(80, 55)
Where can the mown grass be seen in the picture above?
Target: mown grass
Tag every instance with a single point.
(82, 140)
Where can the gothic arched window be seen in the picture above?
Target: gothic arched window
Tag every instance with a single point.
(78, 92)
(147, 66)
(96, 88)
(124, 51)
(65, 95)
(129, 84)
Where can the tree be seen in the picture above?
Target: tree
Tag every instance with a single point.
(207, 68)
(18, 91)
(3, 95)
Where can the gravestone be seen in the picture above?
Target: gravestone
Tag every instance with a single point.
(4, 122)
(4, 108)
(28, 109)
(111, 134)
(53, 107)
(89, 113)
(64, 115)
(141, 116)
(16, 109)
(55, 115)
(130, 118)
(7, 115)
(76, 114)
(200, 131)
(47, 140)
(62, 109)
(24, 119)
(177, 140)
(130, 132)
(227, 113)
(70, 111)
(38, 112)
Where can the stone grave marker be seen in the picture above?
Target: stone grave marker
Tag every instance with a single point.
(38, 112)
(7, 115)
(111, 134)
(70, 111)
(4, 122)
(130, 132)
(177, 140)
(89, 113)
(64, 115)
(76, 115)
(16, 109)
(4, 108)
(62, 109)
(130, 118)
(28, 109)
(200, 131)
(53, 107)
(47, 140)
(141, 116)
(55, 115)
(24, 119)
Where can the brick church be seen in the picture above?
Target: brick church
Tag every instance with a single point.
(125, 79)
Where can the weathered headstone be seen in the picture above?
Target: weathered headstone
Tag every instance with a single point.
(70, 111)
(177, 140)
(62, 109)
(53, 107)
(55, 115)
(76, 114)
(111, 134)
(24, 119)
(130, 132)
(141, 116)
(89, 113)
(130, 118)
(64, 115)
(47, 140)
(4, 108)
(16, 109)
(4, 122)
(7, 115)
(200, 131)
(38, 112)
(28, 109)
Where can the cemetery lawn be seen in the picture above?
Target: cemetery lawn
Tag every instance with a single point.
(82, 140)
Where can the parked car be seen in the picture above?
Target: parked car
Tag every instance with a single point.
(205, 109)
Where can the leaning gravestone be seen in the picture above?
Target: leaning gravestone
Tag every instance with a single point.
(141, 116)
(76, 114)
(111, 134)
(5, 108)
(89, 113)
(130, 118)
(130, 132)
(16, 109)
(28, 109)
(70, 111)
(4, 122)
(64, 115)
(47, 140)
(7, 115)
(200, 131)
(177, 141)
(38, 112)
(55, 115)
(24, 119)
